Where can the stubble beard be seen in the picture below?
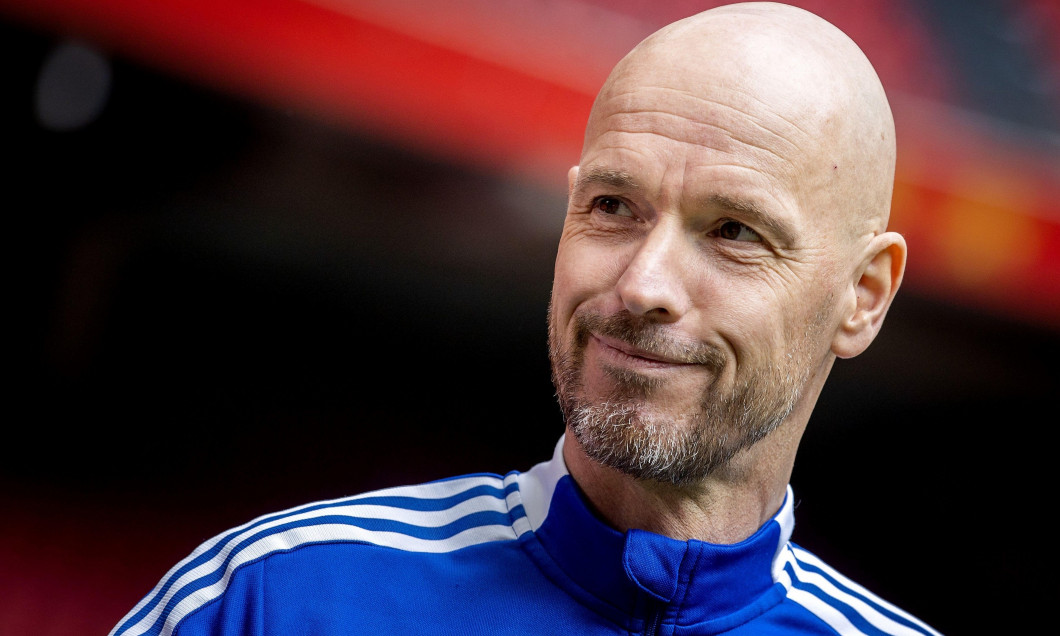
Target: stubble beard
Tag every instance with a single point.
(624, 431)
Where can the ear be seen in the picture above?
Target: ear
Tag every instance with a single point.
(878, 279)
(572, 178)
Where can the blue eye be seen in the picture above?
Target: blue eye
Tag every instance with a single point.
(736, 231)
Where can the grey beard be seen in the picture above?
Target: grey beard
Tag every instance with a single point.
(678, 451)
(620, 432)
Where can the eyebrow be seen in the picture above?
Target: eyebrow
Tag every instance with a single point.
(607, 177)
(746, 209)
(755, 214)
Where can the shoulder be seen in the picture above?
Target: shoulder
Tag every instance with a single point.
(437, 517)
(847, 607)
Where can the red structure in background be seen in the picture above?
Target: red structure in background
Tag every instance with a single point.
(507, 86)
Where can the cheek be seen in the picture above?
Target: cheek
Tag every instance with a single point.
(583, 272)
(781, 301)
(807, 323)
(758, 324)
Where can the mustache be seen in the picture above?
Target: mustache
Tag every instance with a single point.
(648, 335)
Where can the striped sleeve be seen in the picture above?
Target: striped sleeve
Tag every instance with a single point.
(437, 517)
(848, 608)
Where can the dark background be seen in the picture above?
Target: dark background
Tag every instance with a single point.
(222, 308)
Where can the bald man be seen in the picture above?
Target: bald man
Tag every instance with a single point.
(725, 241)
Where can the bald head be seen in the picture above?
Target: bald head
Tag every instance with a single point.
(766, 67)
(731, 197)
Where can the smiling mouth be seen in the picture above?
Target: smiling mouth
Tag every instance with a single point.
(625, 352)
(624, 341)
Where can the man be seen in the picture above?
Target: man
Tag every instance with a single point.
(725, 241)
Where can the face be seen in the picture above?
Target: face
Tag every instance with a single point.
(693, 298)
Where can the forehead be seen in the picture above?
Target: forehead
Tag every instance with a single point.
(676, 144)
(705, 119)
(716, 123)
(730, 83)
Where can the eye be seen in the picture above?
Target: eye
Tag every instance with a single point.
(736, 231)
(612, 206)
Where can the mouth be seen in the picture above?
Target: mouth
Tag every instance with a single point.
(625, 353)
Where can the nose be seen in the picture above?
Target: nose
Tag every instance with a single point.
(653, 284)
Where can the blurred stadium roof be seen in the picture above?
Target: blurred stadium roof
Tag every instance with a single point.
(506, 85)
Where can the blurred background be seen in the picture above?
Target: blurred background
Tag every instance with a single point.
(266, 252)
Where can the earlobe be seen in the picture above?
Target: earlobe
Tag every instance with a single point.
(872, 292)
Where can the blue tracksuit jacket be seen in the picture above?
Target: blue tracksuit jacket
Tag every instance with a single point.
(486, 554)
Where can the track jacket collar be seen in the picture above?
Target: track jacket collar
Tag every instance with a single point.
(699, 583)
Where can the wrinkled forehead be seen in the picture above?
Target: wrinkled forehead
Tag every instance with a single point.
(788, 82)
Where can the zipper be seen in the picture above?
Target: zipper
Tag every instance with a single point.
(653, 620)
(653, 626)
